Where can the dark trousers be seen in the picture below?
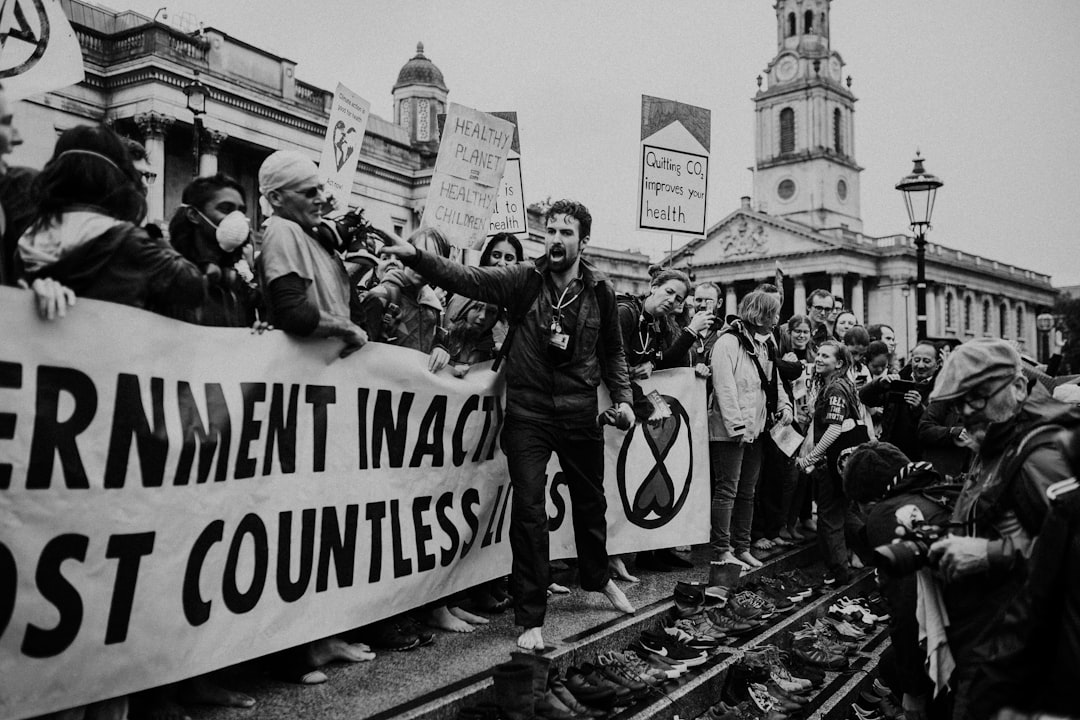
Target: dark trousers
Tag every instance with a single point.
(831, 517)
(528, 445)
(775, 491)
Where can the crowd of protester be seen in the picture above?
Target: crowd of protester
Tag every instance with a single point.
(967, 437)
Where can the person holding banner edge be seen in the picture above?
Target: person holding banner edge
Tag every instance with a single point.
(569, 341)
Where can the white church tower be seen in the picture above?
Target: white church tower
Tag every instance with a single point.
(805, 167)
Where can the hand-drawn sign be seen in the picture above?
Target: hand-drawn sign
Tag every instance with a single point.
(653, 499)
(17, 58)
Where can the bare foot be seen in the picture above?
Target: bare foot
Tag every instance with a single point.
(730, 558)
(467, 616)
(763, 544)
(531, 639)
(748, 559)
(200, 691)
(558, 589)
(332, 649)
(618, 600)
(442, 619)
(618, 569)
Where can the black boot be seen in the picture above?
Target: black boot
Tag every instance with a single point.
(546, 704)
(689, 599)
(723, 578)
(514, 691)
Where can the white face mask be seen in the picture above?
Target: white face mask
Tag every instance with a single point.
(763, 338)
(232, 231)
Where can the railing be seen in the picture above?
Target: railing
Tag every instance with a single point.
(140, 42)
(311, 95)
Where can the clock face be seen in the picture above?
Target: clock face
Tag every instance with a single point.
(835, 68)
(841, 189)
(786, 68)
(786, 189)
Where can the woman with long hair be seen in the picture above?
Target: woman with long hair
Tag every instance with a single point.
(86, 235)
(803, 349)
(835, 426)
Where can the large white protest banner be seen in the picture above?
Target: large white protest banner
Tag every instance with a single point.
(176, 499)
(341, 147)
(510, 214)
(38, 49)
(675, 142)
(465, 183)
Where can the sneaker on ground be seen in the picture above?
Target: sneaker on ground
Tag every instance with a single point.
(664, 646)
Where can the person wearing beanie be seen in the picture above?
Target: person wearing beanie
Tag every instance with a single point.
(886, 485)
(1003, 504)
(308, 289)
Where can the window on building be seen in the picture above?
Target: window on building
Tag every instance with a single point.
(791, 28)
(838, 130)
(949, 317)
(967, 314)
(808, 22)
(787, 131)
(1019, 322)
(1002, 320)
(986, 317)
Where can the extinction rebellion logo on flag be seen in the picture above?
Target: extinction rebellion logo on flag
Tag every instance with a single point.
(24, 35)
(655, 468)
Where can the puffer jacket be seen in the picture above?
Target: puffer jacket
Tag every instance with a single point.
(737, 408)
(402, 314)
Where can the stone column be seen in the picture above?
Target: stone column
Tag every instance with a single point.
(799, 298)
(903, 323)
(731, 301)
(837, 289)
(208, 151)
(933, 318)
(858, 301)
(153, 126)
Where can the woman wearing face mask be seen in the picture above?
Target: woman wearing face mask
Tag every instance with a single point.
(211, 230)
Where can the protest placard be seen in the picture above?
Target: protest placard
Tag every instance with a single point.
(205, 496)
(465, 183)
(341, 147)
(675, 146)
(39, 51)
(510, 214)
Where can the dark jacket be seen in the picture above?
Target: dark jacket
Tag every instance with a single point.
(657, 340)
(899, 421)
(18, 204)
(1029, 659)
(401, 314)
(540, 384)
(125, 265)
(1008, 506)
(939, 429)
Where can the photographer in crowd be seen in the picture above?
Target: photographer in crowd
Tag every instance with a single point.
(1003, 503)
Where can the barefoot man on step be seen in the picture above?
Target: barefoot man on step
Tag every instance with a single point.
(564, 316)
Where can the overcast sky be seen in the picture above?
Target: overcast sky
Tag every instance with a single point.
(988, 90)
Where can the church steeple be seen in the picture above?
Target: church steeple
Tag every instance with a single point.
(805, 167)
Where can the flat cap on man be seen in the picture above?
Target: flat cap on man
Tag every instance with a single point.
(972, 364)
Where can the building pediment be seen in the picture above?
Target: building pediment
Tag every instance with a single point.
(747, 235)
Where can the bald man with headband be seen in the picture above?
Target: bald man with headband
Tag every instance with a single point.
(308, 289)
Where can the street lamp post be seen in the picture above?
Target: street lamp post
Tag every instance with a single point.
(1044, 323)
(920, 189)
(906, 292)
(196, 102)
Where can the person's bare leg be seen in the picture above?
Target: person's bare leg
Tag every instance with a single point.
(201, 691)
(618, 600)
(617, 566)
(442, 619)
(531, 639)
(467, 616)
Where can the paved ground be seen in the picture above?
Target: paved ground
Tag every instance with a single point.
(366, 689)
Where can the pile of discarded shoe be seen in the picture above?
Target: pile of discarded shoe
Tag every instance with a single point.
(760, 687)
(876, 703)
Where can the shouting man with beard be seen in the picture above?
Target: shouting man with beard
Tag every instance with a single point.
(564, 315)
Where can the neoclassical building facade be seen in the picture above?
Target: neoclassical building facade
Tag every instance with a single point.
(805, 214)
